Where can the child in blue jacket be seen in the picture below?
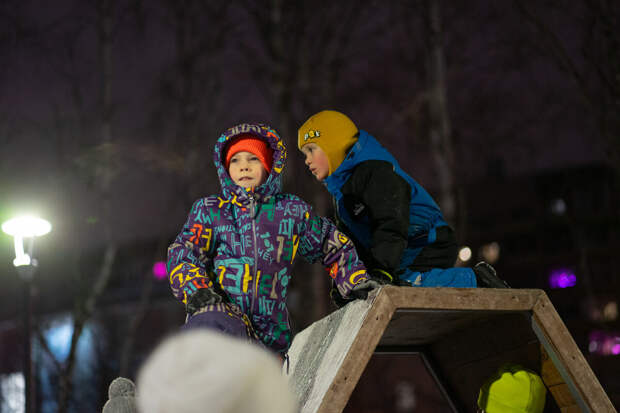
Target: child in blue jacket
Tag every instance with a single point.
(231, 263)
(396, 226)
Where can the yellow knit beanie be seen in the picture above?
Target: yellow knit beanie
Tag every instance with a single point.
(332, 131)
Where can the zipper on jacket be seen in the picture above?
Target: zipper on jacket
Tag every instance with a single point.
(252, 212)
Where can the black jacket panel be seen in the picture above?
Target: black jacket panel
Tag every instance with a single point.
(377, 195)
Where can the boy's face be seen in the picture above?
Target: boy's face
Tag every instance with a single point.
(246, 170)
(316, 160)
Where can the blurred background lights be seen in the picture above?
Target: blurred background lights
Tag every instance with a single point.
(604, 343)
(159, 270)
(465, 254)
(59, 337)
(562, 278)
(12, 389)
(490, 252)
(558, 206)
(610, 311)
(601, 309)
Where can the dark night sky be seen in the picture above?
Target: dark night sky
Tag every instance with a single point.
(507, 102)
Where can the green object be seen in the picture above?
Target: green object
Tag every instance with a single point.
(513, 389)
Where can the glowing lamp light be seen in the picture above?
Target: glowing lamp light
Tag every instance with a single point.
(159, 270)
(25, 227)
(465, 254)
(562, 279)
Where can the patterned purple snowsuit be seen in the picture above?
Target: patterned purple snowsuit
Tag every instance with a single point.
(243, 244)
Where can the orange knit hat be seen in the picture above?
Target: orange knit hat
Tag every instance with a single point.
(252, 144)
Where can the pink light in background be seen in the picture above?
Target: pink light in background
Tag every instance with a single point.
(562, 279)
(605, 343)
(159, 270)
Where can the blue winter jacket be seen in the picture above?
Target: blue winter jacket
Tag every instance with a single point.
(390, 217)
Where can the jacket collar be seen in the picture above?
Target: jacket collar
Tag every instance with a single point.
(366, 148)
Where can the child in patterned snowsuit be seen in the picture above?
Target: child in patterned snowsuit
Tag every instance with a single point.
(231, 263)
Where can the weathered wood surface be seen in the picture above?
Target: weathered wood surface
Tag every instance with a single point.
(321, 355)
(568, 360)
(468, 332)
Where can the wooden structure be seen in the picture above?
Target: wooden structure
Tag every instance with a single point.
(463, 335)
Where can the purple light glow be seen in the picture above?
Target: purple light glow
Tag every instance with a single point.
(159, 270)
(562, 279)
(604, 343)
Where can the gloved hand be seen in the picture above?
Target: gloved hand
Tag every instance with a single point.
(376, 279)
(361, 289)
(381, 276)
(338, 300)
(202, 298)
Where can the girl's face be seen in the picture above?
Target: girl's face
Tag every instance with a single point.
(246, 170)
(316, 160)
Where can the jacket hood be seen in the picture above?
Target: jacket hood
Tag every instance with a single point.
(273, 183)
(366, 148)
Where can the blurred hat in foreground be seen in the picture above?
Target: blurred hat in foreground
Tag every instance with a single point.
(202, 370)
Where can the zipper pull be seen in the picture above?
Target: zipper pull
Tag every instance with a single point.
(252, 204)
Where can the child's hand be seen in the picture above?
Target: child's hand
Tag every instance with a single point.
(361, 289)
(202, 298)
(382, 276)
(338, 300)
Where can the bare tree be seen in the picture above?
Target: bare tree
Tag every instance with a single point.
(421, 27)
(440, 125)
(85, 308)
(592, 60)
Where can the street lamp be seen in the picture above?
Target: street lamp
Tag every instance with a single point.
(26, 228)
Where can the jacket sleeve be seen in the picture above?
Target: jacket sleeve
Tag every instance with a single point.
(320, 240)
(188, 262)
(386, 196)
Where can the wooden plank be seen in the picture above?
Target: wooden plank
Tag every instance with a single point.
(552, 378)
(571, 409)
(550, 375)
(487, 299)
(572, 365)
(562, 395)
(356, 359)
